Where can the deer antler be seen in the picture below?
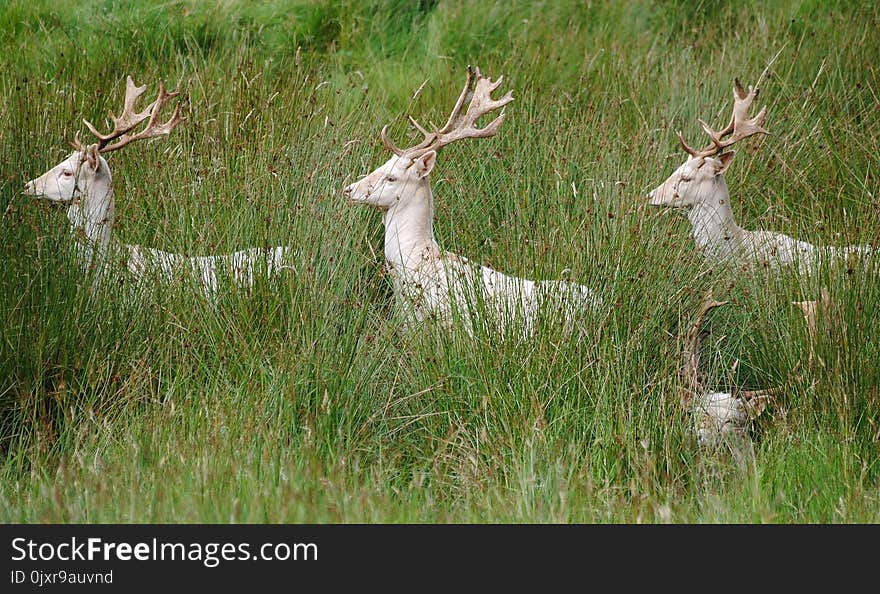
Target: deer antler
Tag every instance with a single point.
(130, 119)
(755, 401)
(691, 366)
(810, 309)
(739, 127)
(477, 95)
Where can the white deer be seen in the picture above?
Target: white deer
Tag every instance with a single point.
(430, 283)
(83, 182)
(698, 186)
(718, 416)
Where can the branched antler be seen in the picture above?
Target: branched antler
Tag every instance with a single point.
(477, 95)
(130, 119)
(739, 127)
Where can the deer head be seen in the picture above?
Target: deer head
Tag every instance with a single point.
(409, 168)
(696, 178)
(85, 168)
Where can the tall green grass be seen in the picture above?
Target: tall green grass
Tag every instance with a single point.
(301, 401)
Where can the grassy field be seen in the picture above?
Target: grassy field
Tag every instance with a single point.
(300, 401)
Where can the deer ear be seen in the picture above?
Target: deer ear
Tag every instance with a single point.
(92, 156)
(425, 164)
(725, 159)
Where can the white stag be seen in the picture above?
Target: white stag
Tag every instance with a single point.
(698, 186)
(83, 182)
(430, 283)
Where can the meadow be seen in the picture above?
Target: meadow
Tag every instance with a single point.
(300, 401)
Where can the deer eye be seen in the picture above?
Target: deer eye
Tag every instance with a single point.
(685, 179)
(67, 173)
(391, 178)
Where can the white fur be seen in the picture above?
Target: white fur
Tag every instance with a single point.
(84, 182)
(430, 283)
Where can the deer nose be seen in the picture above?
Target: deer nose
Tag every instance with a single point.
(29, 188)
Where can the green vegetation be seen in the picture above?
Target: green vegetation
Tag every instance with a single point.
(300, 401)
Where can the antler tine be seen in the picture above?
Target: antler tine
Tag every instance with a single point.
(418, 127)
(466, 96)
(496, 84)
(129, 118)
(153, 128)
(427, 140)
(388, 144)
(490, 129)
(76, 144)
(684, 145)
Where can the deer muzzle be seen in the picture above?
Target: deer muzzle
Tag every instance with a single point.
(355, 194)
(348, 192)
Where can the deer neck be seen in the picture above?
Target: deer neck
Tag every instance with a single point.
(409, 229)
(91, 220)
(712, 223)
